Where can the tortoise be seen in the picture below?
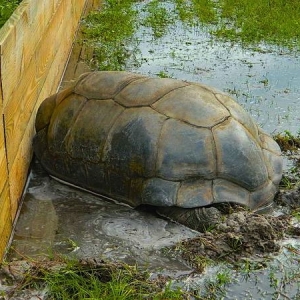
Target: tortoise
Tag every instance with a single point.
(179, 146)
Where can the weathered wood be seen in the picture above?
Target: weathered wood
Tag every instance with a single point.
(5, 217)
(5, 208)
(34, 45)
(3, 164)
(18, 112)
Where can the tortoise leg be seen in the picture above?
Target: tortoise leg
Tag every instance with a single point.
(200, 218)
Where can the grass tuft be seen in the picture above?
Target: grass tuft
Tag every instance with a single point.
(71, 279)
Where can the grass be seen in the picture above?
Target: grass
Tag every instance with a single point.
(108, 31)
(70, 279)
(287, 141)
(7, 7)
(249, 22)
(289, 144)
(270, 21)
(158, 18)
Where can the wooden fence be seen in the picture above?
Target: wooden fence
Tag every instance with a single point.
(34, 44)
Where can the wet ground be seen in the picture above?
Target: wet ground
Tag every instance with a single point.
(259, 255)
(56, 218)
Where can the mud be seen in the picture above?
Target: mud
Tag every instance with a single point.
(242, 235)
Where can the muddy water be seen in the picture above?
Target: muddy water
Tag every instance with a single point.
(57, 218)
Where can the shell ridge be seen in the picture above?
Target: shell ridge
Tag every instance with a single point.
(74, 119)
(158, 145)
(239, 121)
(170, 91)
(108, 134)
(124, 84)
(184, 121)
(215, 154)
(247, 130)
(215, 94)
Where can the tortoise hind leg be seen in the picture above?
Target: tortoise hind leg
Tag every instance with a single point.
(200, 218)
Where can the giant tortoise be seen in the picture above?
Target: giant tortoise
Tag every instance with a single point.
(179, 146)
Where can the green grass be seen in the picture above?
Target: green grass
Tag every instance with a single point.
(69, 279)
(108, 31)
(270, 21)
(7, 7)
(158, 18)
(275, 22)
(287, 141)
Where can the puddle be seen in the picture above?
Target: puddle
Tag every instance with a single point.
(56, 218)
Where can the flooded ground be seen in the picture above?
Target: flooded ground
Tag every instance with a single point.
(58, 219)
(266, 84)
(264, 80)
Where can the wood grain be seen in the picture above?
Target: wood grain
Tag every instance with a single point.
(5, 218)
(34, 45)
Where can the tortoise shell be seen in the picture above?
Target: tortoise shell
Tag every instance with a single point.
(156, 141)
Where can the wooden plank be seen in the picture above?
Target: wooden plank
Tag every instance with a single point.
(20, 114)
(21, 38)
(12, 44)
(18, 172)
(3, 161)
(5, 218)
(19, 109)
(34, 49)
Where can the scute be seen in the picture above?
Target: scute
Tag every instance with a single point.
(63, 118)
(87, 136)
(194, 105)
(103, 85)
(274, 166)
(131, 145)
(185, 152)
(262, 196)
(268, 143)
(146, 91)
(160, 192)
(238, 113)
(240, 158)
(227, 191)
(195, 193)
